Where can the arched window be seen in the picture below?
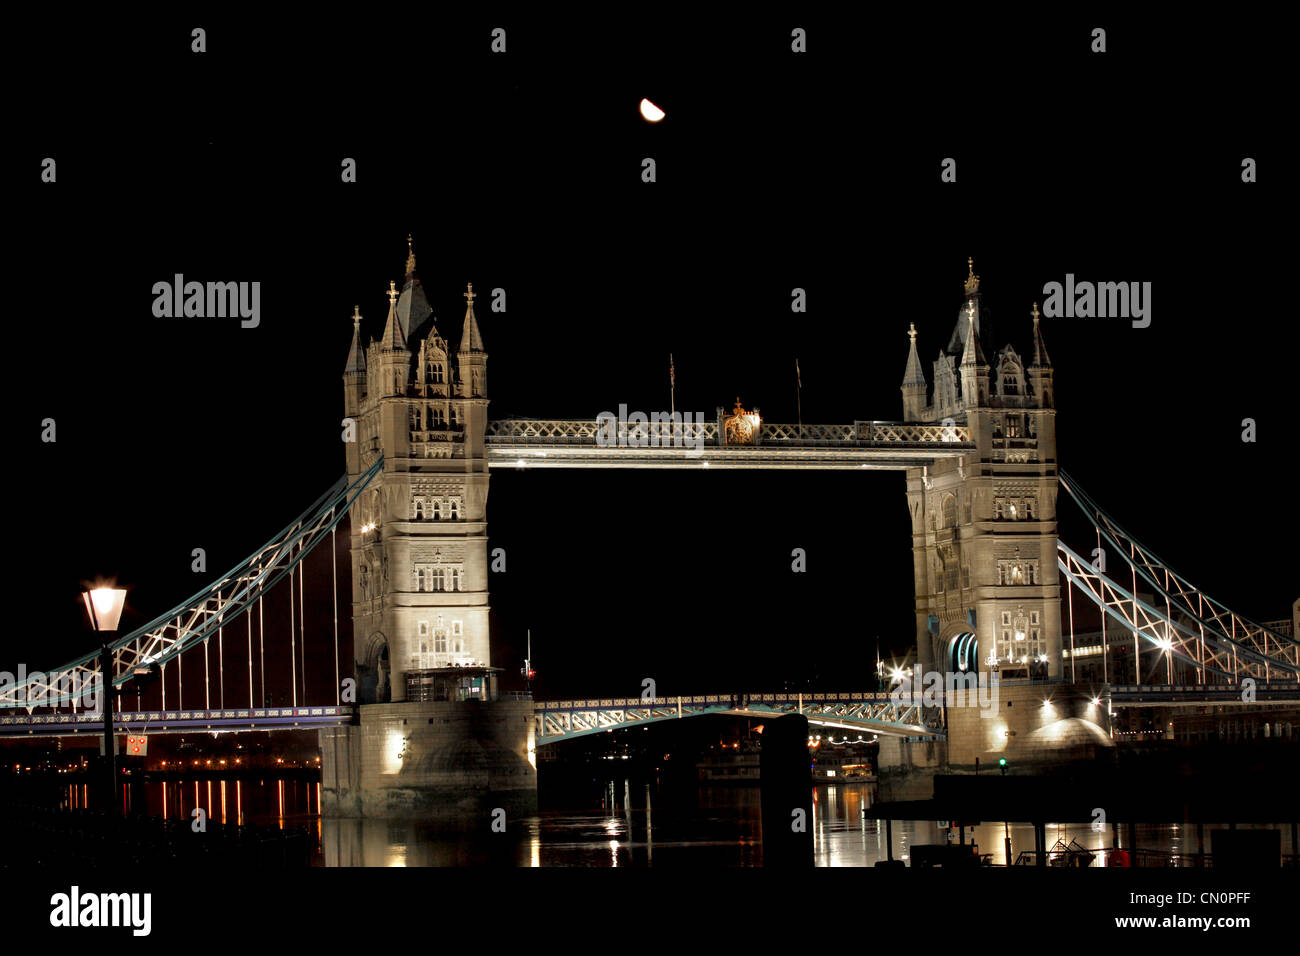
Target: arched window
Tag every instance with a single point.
(419, 509)
(436, 510)
(964, 653)
(949, 512)
(453, 509)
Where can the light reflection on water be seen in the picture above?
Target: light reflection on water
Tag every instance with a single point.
(631, 827)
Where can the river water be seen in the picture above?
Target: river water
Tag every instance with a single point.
(627, 823)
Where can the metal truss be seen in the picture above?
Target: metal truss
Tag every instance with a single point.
(177, 721)
(529, 443)
(667, 434)
(1235, 643)
(879, 713)
(1198, 695)
(218, 605)
(1208, 653)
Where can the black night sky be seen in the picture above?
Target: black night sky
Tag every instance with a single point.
(522, 171)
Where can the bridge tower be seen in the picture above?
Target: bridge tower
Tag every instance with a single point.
(419, 533)
(984, 525)
(433, 741)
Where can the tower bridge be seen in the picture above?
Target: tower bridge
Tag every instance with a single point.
(977, 447)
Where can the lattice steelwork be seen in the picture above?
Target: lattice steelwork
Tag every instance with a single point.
(1192, 626)
(228, 720)
(578, 432)
(878, 713)
(554, 443)
(218, 605)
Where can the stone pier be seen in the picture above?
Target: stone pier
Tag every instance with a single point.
(453, 762)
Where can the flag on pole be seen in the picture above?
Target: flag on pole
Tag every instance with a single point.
(672, 371)
(797, 377)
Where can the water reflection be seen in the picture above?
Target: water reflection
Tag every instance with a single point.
(631, 824)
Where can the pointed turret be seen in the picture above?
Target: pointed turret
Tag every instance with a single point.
(974, 368)
(394, 359)
(957, 343)
(1040, 369)
(354, 372)
(413, 308)
(393, 339)
(471, 358)
(1040, 347)
(356, 355)
(914, 385)
(972, 353)
(470, 340)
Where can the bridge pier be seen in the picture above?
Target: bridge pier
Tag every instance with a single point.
(451, 762)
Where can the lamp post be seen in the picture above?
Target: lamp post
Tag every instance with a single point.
(104, 605)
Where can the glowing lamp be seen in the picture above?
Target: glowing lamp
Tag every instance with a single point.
(104, 605)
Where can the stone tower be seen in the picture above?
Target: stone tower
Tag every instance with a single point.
(419, 531)
(984, 525)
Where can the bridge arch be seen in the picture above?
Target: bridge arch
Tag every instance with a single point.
(373, 670)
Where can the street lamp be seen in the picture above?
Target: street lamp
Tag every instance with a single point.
(104, 605)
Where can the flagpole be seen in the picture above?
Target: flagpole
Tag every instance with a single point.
(799, 395)
(672, 386)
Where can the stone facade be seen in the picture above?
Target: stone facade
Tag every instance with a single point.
(419, 531)
(451, 762)
(420, 583)
(984, 525)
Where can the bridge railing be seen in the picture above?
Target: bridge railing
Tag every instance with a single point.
(710, 699)
(659, 434)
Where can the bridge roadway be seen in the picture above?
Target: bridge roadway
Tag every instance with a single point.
(91, 723)
(557, 443)
(557, 720)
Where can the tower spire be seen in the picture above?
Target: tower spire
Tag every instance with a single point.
(913, 374)
(410, 257)
(470, 340)
(1040, 347)
(972, 354)
(393, 337)
(356, 355)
